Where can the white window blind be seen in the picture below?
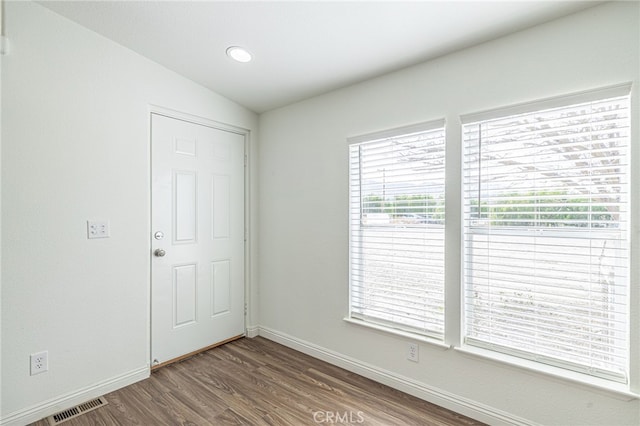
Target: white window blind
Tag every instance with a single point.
(545, 235)
(397, 229)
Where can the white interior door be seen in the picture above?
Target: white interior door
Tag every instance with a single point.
(197, 220)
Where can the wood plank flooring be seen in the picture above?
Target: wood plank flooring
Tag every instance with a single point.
(259, 382)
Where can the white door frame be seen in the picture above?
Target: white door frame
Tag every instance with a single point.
(246, 133)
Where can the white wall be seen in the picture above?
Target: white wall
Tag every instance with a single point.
(303, 193)
(75, 146)
(1, 59)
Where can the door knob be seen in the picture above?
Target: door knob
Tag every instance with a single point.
(159, 252)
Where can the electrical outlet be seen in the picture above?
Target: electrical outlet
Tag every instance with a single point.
(412, 352)
(39, 362)
(97, 229)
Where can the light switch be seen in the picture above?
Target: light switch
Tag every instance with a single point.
(97, 229)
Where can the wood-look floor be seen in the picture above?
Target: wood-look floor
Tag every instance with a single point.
(259, 382)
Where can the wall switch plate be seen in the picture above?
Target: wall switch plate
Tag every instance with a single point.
(412, 352)
(97, 229)
(39, 362)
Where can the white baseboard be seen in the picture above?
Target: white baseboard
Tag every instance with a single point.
(420, 390)
(253, 331)
(64, 402)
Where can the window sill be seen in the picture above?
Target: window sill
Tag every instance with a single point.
(619, 390)
(400, 333)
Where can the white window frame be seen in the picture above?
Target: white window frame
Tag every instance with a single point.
(356, 227)
(500, 353)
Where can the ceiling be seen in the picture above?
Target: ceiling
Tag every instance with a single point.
(301, 48)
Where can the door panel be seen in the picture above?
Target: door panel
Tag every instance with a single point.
(184, 297)
(220, 287)
(197, 284)
(185, 202)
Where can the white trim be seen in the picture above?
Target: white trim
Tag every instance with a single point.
(248, 301)
(606, 387)
(420, 390)
(196, 119)
(397, 332)
(64, 402)
(398, 131)
(549, 103)
(252, 331)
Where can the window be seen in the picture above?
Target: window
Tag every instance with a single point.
(546, 238)
(397, 229)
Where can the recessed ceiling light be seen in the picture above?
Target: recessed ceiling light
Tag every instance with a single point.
(239, 54)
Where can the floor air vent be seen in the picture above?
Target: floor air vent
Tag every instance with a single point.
(76, 411)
